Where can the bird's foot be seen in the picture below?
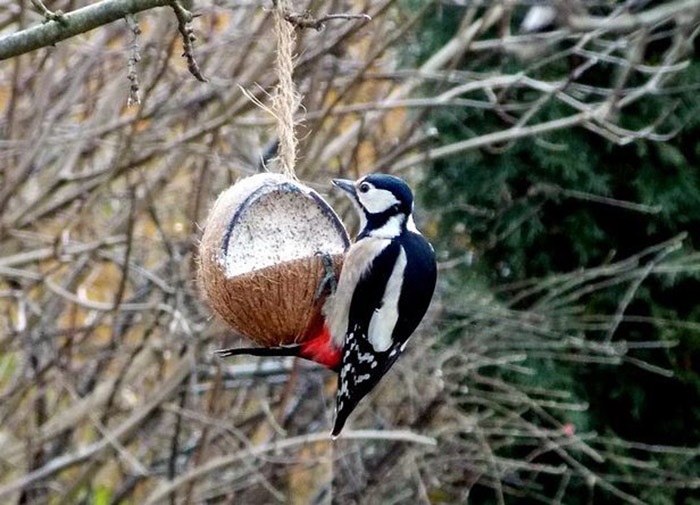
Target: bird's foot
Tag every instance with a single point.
(329, 280)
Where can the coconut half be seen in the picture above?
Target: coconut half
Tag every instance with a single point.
(259, 267)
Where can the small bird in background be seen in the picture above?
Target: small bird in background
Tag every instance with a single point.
(384, 290)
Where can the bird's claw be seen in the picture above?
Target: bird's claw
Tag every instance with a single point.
(329, 279)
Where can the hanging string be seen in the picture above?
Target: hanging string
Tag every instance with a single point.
(286, 100)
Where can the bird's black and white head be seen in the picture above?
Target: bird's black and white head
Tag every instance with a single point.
(384, 202)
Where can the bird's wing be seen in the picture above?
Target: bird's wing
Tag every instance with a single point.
(370, 349)
(383, 321)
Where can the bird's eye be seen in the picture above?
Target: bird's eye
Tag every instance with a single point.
(364, 187)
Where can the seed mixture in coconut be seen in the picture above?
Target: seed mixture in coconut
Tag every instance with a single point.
(275, 220)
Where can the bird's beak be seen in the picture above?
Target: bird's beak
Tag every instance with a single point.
(346, 185)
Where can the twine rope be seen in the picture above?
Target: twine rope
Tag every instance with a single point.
(286, 99)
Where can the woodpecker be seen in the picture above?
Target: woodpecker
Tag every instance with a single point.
(384, 290)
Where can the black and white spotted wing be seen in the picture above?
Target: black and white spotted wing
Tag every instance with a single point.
(386, 290)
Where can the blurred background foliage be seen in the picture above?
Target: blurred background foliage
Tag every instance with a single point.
(556, 170)
(522, 210)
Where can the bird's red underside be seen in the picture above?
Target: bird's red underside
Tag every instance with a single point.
(319, 348)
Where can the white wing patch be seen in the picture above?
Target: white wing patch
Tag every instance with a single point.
(357, 263)
(383, 321)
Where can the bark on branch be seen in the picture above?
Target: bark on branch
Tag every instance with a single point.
(72, 24)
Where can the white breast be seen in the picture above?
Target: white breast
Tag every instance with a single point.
(357, 262)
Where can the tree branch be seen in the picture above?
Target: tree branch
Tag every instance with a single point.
(72, 24)
(516, 132)
(631, 22)
(184, 18)
(216, 465)
(306, 20)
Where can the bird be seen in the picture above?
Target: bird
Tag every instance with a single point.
(384, 290)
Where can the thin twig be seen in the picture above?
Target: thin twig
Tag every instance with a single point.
(306, 20)
(184, 20)
(134, 57)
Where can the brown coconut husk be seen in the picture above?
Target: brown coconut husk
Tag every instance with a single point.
(273, 304)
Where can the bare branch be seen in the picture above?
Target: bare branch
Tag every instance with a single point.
(72, 24)
(217, 465)
(306, 20)
(134, 57)
(629, 22)
(184, 20)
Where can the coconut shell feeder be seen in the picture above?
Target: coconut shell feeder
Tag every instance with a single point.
(259, 268)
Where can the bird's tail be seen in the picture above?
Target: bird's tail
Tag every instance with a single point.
(316, 345)
(343, 407)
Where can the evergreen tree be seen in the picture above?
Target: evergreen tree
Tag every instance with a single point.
(571, 199)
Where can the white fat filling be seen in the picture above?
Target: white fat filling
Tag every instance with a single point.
(279, 226)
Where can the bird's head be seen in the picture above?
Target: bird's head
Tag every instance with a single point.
(384, 202)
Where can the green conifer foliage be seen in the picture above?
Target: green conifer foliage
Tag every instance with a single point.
(571, 199)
